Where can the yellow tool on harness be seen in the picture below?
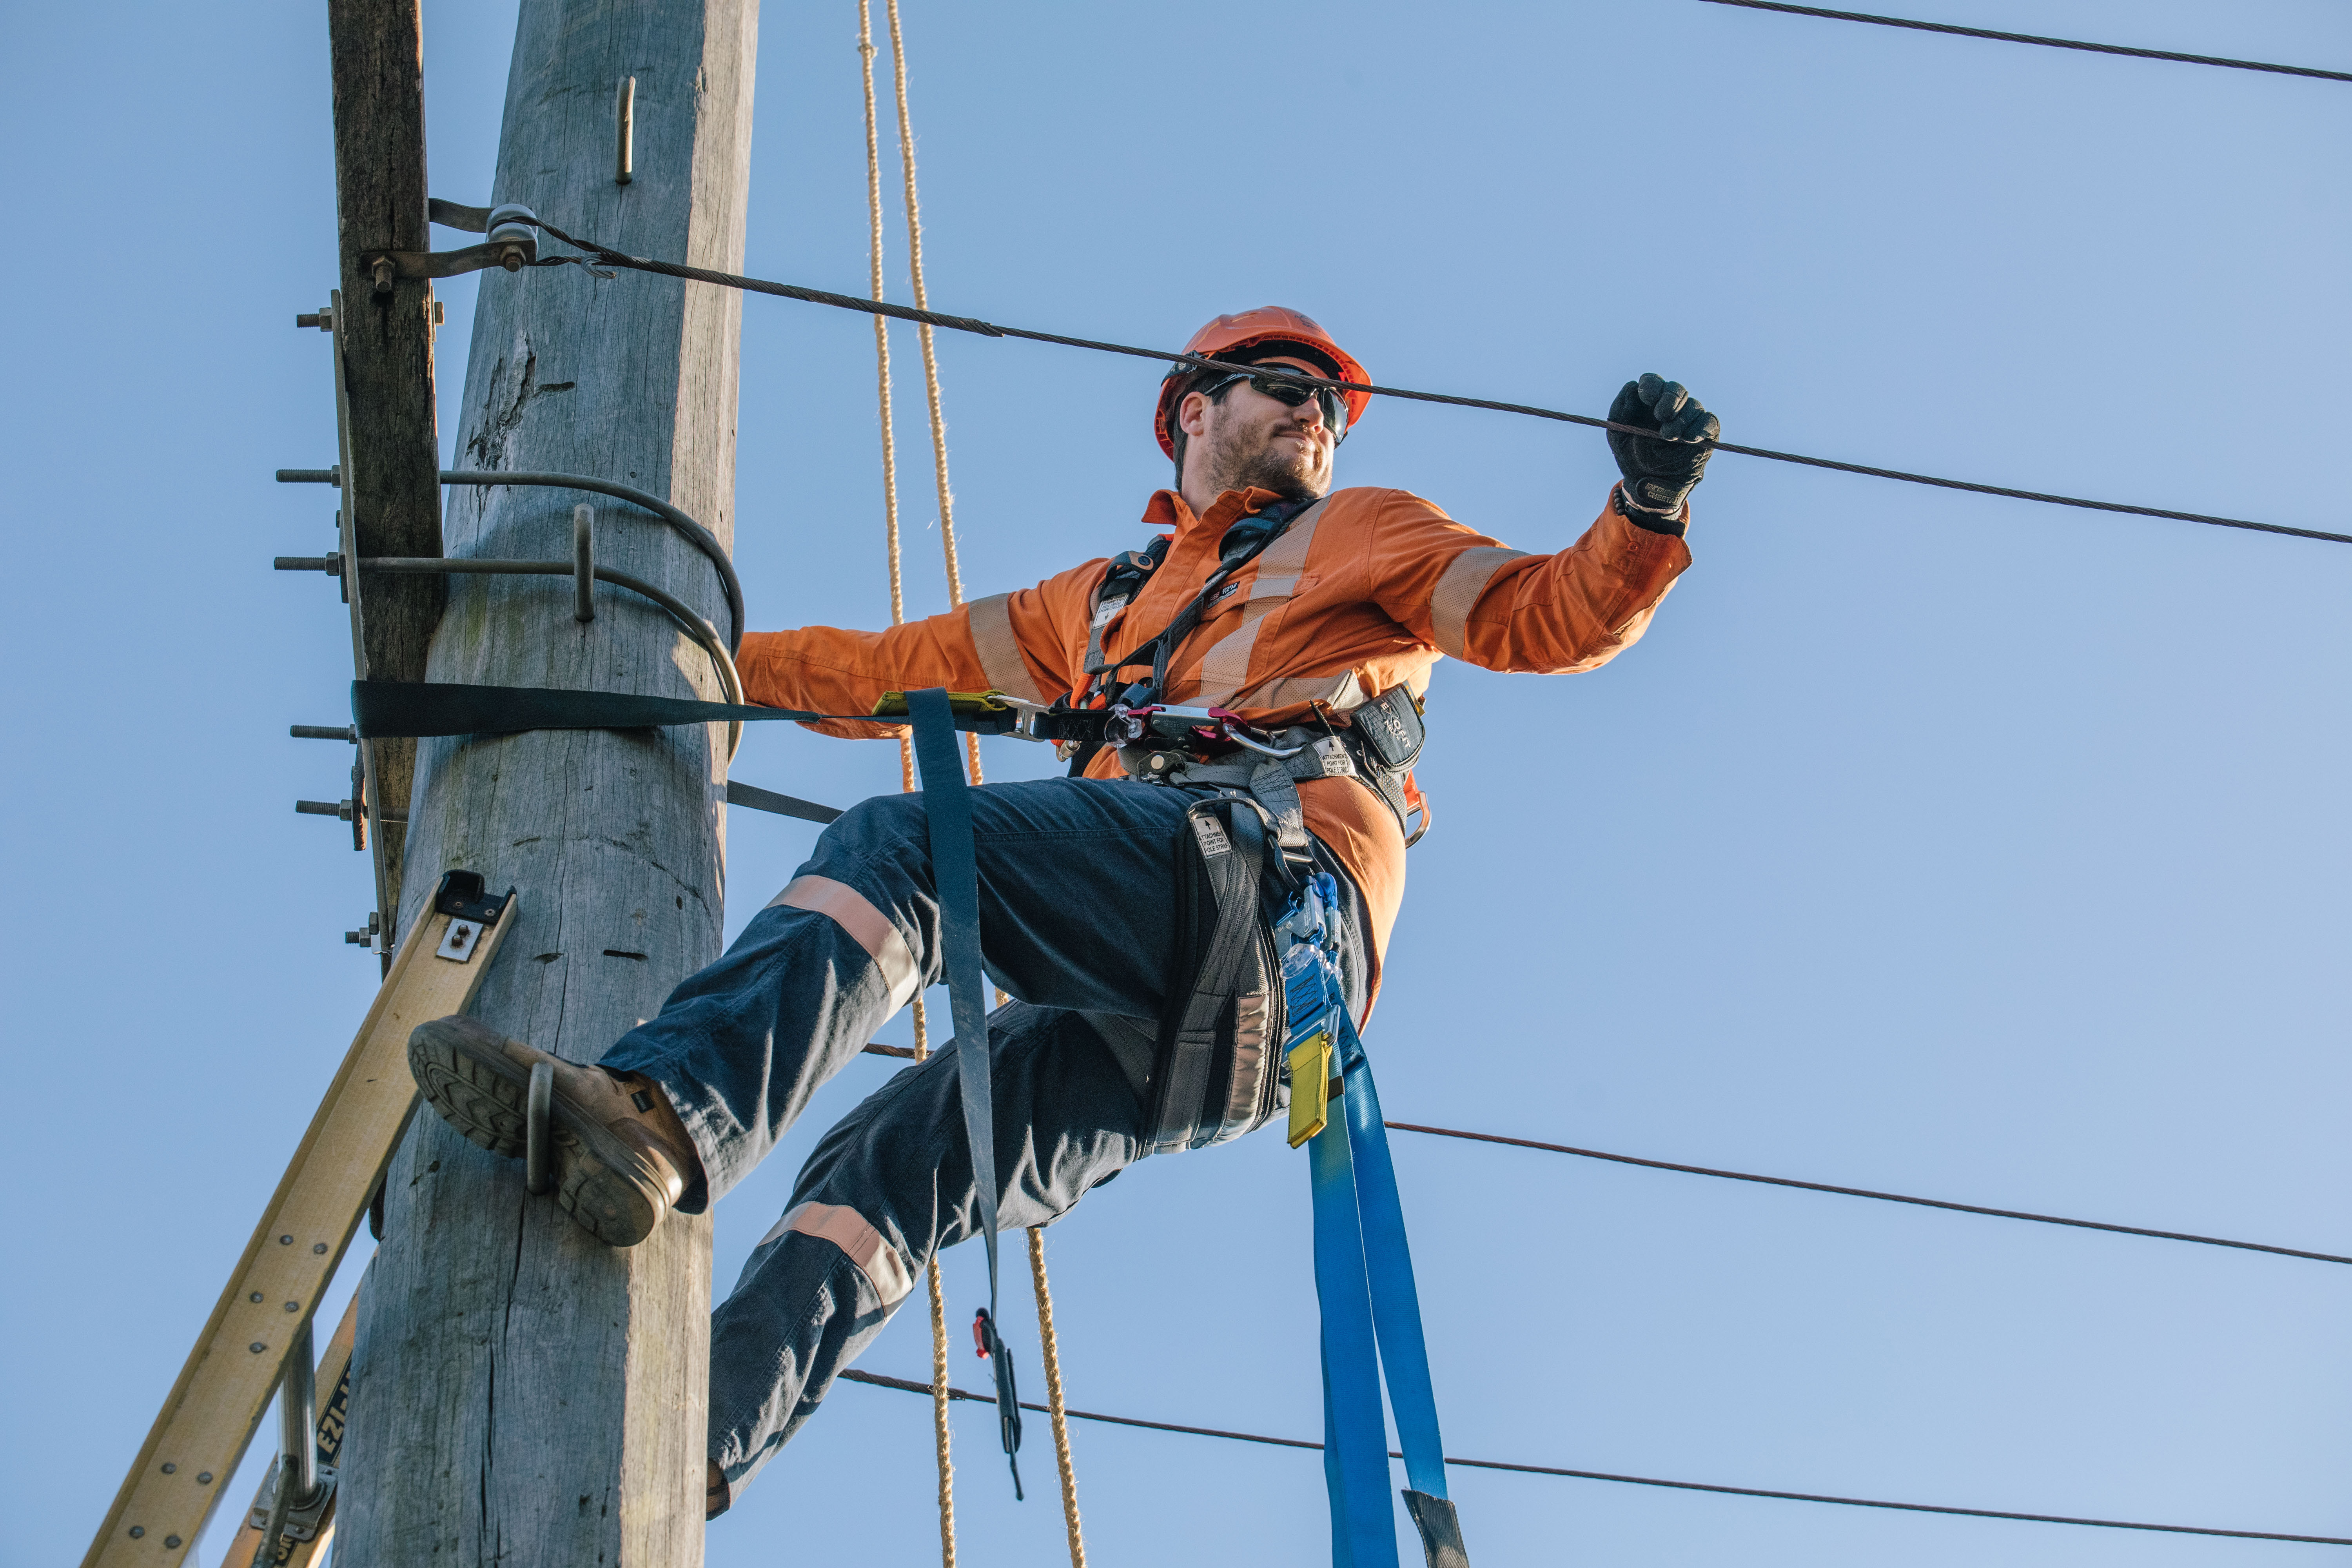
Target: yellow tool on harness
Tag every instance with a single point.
(962, 704)
(1310, 1093)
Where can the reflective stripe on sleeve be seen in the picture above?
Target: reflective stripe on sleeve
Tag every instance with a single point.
(1458, 591)
(858, 1240)
(990, 620)
(850, 909)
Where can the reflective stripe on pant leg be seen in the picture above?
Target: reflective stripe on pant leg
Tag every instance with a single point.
(858, 1240)
(897, 1168)
(801, 1310)
(854, 913)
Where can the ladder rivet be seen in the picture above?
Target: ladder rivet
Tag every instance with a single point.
(293, 1306)
(137, 1531)
(203, 1477)
(172, 1542)
(319, 1247)
(256, 1347)
(285, 1241)
(171, 1469)
(255, 1298)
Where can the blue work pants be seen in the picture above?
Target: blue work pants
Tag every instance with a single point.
(1079, 921)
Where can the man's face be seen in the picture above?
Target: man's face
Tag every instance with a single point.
(1245, 437)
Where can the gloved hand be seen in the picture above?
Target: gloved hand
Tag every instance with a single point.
(1660, 475)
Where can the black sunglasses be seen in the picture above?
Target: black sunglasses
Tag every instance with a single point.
(1290, 395)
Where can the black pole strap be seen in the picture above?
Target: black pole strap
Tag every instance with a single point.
(758, 799)
(955, 876)
(385, 710)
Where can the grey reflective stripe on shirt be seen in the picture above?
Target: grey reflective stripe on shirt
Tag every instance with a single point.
(1226, 665)
(1001, 663)
(1465, 577)
(1338, 692)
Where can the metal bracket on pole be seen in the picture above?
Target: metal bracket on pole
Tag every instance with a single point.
(304, 1514)
(300, 1489)
(513, 244)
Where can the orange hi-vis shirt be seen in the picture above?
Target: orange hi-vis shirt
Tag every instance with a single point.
(1363, 592)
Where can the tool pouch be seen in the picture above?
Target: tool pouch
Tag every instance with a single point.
(1388, 735)
(1216, 1074)
(1392, 730)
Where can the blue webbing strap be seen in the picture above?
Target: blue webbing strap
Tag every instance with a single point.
(1363, 1278)
(1388, 1258)
(955, 873)
(1355, 1437)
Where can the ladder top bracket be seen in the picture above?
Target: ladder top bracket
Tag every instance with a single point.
(461, 895)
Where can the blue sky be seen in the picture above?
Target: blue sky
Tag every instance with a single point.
(1930, 843)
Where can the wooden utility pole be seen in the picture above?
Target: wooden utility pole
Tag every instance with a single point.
(390, 481)
(521, 1394)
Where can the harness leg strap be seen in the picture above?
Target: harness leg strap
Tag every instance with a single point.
(1276, 790)
(1233, 861)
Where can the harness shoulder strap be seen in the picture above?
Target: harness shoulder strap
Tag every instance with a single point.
(1121, 581)
(1161, 647)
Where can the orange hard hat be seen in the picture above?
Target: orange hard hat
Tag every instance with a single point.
(1267, 324)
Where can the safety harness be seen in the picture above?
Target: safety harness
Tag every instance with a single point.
(1266, 1020)
(1263, 1022)
(1379, 745)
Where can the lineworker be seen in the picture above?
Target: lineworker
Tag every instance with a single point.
(1323, 614)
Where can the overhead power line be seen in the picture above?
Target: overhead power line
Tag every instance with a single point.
(611, 257)
(1866, 1192)
(2136, 54)
(880, 1379)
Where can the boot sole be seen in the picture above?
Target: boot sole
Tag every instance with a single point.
(463, 1071)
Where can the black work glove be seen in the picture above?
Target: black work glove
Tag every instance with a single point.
(1660, 475)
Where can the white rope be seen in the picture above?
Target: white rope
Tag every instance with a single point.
(939, 1427)
(1048, 1346)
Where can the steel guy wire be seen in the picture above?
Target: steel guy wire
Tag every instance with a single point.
(1844, 1191)
(880, 1379)
(611, 257)
(1866, 1192)
(2136, 54)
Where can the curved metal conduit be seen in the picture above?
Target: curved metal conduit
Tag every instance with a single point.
(694, 533)
(704, 634)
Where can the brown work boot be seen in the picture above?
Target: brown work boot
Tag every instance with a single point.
(621, 1156)
(717, 1495)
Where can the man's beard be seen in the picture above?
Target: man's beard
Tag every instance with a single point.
(1290, 475)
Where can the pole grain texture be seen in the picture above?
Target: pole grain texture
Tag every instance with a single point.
(522, 1393)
